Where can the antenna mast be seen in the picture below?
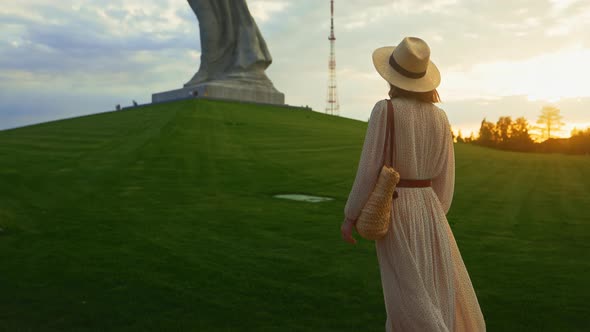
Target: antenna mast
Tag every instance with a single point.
(332, 105)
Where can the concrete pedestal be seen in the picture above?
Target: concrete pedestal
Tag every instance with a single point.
(224, 90)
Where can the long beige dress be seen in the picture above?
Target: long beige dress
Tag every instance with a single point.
(426, 286)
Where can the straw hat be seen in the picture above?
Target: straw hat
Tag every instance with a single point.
(407, 65)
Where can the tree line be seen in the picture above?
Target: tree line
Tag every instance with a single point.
(515, 135)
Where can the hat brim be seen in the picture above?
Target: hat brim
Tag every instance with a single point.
(428, 82)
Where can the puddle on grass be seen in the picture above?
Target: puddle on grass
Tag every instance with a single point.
(304, 198)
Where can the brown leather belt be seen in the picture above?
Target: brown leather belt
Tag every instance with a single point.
(406, 183)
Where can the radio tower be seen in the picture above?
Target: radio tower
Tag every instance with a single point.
(332, 105)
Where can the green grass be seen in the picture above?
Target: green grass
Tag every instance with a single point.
(162, 218)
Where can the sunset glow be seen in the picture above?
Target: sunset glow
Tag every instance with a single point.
(548, 77)
(565, 131)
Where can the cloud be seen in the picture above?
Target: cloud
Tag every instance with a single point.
(358, 14)
(110, 51)
(264, 10)
(83, 49)
(574, 22)
(563, 4)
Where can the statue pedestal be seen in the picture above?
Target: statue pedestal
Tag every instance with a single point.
(239, 91)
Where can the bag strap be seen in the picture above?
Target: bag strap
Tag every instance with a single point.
(389, 133)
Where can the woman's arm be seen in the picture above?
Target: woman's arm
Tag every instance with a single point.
(444, 184)
(370, 163)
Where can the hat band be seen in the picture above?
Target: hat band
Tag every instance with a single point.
(396, 66)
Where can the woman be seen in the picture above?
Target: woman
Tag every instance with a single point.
(426, 286)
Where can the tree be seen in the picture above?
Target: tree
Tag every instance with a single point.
(504, 129)
(520, 130)
(580, 141)
(487, 133)
(520, 138)
(460, 137)
(550, 119)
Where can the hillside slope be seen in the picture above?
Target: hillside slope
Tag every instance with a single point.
(162, 218)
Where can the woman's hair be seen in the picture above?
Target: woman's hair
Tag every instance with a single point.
(428, 96)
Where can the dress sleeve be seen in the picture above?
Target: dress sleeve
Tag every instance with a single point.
(370, 163)
(444, 184)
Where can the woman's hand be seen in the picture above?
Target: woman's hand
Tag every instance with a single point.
(346, 230)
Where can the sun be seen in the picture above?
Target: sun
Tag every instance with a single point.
(555, 76)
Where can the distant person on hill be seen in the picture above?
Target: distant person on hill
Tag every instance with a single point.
(425, 283)
(134, 103)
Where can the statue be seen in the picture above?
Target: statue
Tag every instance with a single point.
(231, 44)
(234, 56)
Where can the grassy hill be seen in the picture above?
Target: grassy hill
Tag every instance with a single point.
(162, 218)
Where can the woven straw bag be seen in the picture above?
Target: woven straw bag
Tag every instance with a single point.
(374, 219)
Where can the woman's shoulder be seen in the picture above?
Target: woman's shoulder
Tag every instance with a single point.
(442, 115)
(403, 103)
(379, 107)
(413, 105)
(380, 104)
(407, 104)
(441, 112)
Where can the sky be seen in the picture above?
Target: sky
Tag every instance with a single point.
(61, 59)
